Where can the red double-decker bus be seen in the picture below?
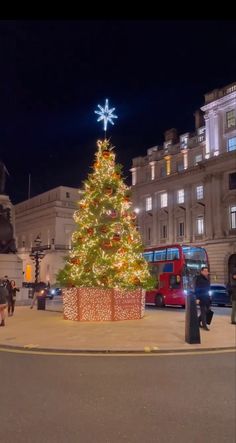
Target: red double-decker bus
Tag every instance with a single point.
(175, 267)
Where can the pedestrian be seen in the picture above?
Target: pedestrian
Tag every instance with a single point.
(39, 287)
(232, 292)
(202, 286)
(7, 283)
(12, 297)
(3, 302)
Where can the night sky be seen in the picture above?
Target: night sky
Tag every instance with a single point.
(54, 73)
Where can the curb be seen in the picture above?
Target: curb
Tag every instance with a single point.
(30, 349)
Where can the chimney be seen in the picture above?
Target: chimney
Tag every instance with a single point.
(171, 136)
(199, 121)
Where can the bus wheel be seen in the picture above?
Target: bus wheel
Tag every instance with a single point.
(159, 302)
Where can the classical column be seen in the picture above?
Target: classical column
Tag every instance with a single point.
(208, 206)
(188, 222)
(170, 218)
(216, 188)
(207, 148)
(216, 146)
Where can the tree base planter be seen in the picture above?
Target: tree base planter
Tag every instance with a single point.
(95, 304)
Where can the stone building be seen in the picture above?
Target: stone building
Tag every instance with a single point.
(48, 216)
(185, 191)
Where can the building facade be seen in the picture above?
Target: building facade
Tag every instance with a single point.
(185, 191)
(48, 216)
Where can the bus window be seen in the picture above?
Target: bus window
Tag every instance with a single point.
(175, 281)
(160, 255)
(168, 267)
(148, 256)
(172, 254)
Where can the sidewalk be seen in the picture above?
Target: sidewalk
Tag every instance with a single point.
(158, 331)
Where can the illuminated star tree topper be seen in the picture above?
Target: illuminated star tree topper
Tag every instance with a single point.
(106, 115)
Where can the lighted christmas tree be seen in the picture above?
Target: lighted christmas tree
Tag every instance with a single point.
(106, 247)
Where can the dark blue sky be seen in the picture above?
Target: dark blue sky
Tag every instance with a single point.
(54, 73)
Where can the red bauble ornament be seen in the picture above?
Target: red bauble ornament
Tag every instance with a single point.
(90, 231)
(106, 153)
(75, 261)
(108, 190)
(135, 281)
(103, 229)
(116, 237)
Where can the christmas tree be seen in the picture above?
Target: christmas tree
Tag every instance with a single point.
(107, 248)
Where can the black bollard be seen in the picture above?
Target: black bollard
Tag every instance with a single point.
(41, 303)
(192, 333)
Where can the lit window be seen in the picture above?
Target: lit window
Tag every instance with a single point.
(199, 192)
(181, 229)
(148, 203)
(200, 225)
(180, 196)
(230, 119)
(233, 217)
(232, 144)
(152, 165)
(164, 200)
(198, 159)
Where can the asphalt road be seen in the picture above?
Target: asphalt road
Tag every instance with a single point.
(115, 399)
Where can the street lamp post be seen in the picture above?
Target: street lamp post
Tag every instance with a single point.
(36, 255)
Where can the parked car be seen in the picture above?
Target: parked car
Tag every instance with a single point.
(219, 295)
(53, 292)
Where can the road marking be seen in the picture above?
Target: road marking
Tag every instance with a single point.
(116, 354)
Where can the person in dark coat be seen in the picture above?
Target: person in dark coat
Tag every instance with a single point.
(232, 292)
(3, 302)
(12, 297)
(202, 286)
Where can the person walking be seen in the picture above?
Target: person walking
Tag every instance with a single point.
(3, 302)
(232, 292)
(12, 297)
(202, 286)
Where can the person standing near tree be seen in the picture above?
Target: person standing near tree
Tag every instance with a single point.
(202, 286)
(12, 297)
(3, 302)
(232, 292)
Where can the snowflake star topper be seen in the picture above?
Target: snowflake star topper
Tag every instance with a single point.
(106, 114)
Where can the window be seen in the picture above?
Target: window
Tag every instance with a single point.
(172, 253)
(180, 196)
(163, 231)
(148, 203)
(163, 171)
(200, 225)
(180, 166)
(160, 255)
(148, 256)
(230, 119)
(149, 234)
(232, 180)
(67, 195)
(181, 229)
(184, 141)
(164, 200)
(233, 217)
(198, 159)
(199, 192)
(232, 144)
